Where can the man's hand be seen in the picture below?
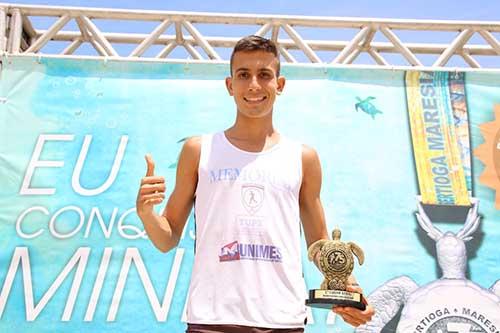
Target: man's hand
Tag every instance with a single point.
(152, 190)
(353, 316)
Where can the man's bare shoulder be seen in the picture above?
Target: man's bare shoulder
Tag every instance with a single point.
(193, 144)
(190, 154)
(311, 166)
(309, 155)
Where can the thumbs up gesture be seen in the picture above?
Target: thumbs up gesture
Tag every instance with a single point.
(152, 190)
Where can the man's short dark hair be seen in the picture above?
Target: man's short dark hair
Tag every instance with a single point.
(256, 43)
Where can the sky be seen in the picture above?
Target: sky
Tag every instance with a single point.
(423, 9)
(476, 10)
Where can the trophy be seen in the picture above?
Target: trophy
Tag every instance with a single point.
(336, 262)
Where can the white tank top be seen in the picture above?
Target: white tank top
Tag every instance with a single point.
(247, 267)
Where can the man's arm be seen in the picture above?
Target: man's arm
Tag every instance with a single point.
(313, 222)
(165, 230)
(311, 210)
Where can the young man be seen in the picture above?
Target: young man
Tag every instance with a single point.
(252, 188)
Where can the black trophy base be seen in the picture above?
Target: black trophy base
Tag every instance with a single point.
(446, 213)
(327, 299)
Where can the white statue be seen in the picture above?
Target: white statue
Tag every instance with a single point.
(451, 304)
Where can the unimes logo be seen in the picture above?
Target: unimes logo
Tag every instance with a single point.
(229, 252)
(236, 251)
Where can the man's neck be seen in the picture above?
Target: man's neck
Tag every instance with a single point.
(252, 130)
(253, 134)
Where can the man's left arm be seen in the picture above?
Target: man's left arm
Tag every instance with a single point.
(313, 222)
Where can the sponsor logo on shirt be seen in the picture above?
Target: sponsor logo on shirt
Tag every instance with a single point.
(276, 178)
(252, 197)
(240, 251)
(229, 252)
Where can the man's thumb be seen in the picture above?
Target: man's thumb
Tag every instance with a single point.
(151, 165)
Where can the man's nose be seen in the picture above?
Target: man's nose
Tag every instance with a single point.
(254, 83)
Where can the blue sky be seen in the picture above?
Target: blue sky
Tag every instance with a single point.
(480, 10)
(422, 9)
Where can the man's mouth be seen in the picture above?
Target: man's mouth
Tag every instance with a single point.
(254, 99)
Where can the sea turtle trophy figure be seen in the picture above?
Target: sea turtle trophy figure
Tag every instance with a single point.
(335, 260)
(449, 304)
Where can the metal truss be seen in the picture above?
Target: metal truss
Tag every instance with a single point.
(19, 36)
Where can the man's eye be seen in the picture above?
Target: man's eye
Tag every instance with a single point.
(243, 75)
(265, 75)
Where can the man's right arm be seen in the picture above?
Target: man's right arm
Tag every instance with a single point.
(165, 230)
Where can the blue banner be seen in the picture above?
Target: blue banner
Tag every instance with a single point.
(73, 135)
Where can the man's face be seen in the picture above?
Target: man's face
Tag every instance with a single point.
(254, 83)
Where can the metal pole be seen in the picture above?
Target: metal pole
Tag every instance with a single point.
(97, 35)
(166, 50)
(201, 41)
(288, 57)
(40, 42)
(275, 32)
(300, 42)
(350, 59)
(491, 40)
(72, 47)
(459, 41)
(405, 51)
(378, 57)
(317, 45)
(179, 38)
(146, 43)
(28, 29)
(264, 29)
(353, 44)
(260, 19)
(471, 61)
(16, 29)
(192, 51)
(3, 26)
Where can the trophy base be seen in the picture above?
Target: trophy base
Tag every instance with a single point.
(327, 299)
(446, 213)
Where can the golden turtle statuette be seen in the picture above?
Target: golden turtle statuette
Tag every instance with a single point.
(336, 261)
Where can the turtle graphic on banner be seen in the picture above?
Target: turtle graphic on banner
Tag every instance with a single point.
(451, 304)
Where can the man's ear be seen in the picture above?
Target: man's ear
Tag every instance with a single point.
(229, 85)
(281, 84)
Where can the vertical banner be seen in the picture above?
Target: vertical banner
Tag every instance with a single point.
(439, 128)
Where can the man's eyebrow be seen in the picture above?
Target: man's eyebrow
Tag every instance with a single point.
(241, 69)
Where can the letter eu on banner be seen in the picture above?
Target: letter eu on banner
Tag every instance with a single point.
(73, 135)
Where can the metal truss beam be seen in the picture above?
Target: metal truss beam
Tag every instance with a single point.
(191, 31)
